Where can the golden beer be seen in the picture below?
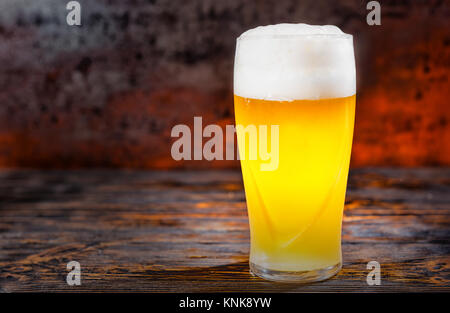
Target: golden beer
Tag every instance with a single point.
(295, 211)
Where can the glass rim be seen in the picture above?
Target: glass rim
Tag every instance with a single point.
(296, 36)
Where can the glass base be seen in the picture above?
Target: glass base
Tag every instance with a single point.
(301, 277)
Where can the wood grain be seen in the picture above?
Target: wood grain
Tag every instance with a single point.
(187, 231)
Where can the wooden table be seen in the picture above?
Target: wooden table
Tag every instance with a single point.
(188, 231)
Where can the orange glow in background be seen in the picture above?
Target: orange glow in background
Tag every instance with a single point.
(111, 97)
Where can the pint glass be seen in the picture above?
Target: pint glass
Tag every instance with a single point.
(302, 79)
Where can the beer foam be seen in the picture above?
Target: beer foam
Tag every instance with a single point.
(286, 62)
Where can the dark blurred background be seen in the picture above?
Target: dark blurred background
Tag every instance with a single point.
(107, 94)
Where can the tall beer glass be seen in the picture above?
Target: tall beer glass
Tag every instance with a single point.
(301, 78)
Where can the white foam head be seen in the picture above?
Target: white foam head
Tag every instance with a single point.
(294, 62)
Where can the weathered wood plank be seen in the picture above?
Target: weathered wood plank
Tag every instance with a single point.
(188, 231)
